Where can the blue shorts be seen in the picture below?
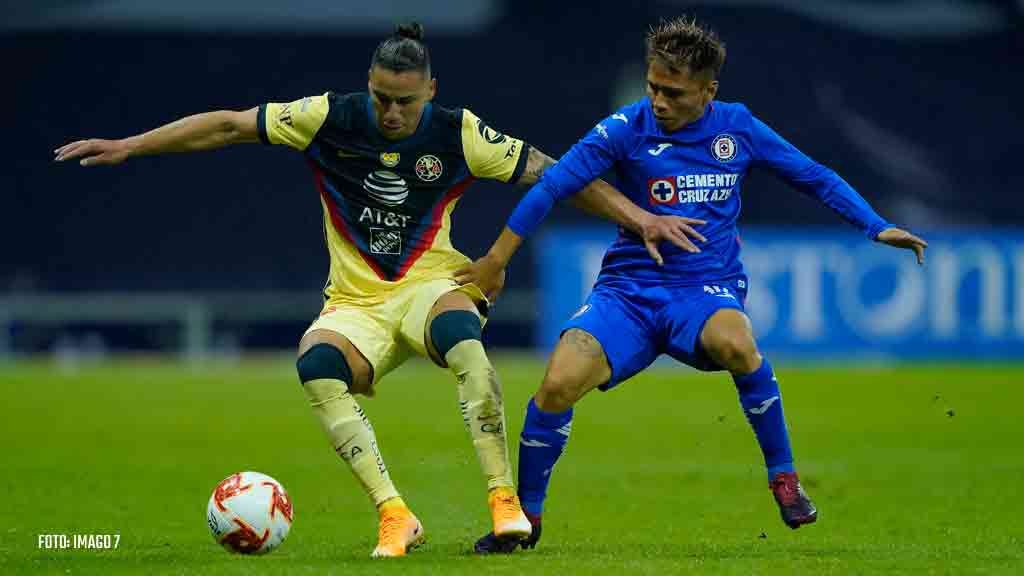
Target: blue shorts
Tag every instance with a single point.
(637, 324)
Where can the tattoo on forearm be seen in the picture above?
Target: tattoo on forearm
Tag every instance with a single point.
(583, 343)
(536, 163)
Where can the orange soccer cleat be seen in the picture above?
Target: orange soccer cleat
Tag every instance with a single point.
(400, 530)
(509, 521)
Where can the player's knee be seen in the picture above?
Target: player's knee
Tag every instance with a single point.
(736, 352)
(558, 392)
(323, 361)
(451, 327)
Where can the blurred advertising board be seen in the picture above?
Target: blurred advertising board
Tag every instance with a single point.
(820, 294)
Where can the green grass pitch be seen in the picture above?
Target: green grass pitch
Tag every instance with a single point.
(915, 470)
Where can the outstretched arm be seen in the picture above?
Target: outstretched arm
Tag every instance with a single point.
(205, 131)
(490, 154)
(598, 198)
(824, 184)
(603, 200)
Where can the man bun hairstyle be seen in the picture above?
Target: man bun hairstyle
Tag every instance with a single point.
(413, 30)
(682, 43)
(403, 51)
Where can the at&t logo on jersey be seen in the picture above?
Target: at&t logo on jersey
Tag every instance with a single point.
(386, 187)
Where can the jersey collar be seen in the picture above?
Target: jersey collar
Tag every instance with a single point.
(692, 132)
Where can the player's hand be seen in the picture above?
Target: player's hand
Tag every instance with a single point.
(678, 230)
(487, 273)
(902, 239)
(93, 152)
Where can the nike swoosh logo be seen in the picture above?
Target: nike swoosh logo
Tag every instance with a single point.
(764, 406)
(489, 416)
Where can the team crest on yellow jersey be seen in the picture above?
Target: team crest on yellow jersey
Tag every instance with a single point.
(429, 168)
(390, 159)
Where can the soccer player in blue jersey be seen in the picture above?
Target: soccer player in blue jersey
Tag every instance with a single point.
(677, 151)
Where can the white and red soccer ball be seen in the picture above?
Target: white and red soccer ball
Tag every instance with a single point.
(249, 513)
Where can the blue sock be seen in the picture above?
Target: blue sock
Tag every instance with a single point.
(541, 443)
(762, 404)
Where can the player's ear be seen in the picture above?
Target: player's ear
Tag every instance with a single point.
(433, 88)
(712, 89)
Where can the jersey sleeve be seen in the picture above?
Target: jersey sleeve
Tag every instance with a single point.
(489, 153)
(774, 152)
(293, 124)
(595, 153)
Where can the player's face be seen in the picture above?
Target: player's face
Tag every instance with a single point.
(677, 96)
(398, 99)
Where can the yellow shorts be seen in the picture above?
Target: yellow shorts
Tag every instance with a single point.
(388, 333)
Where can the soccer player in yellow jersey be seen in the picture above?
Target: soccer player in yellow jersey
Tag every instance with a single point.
(390, 166)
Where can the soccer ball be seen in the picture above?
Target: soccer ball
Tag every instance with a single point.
(249, 513)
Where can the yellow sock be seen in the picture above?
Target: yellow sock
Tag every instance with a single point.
(390, 503)
(351, 436)
(482, 409)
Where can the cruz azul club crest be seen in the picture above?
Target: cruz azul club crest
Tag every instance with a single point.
(428, 168)
(724, 147)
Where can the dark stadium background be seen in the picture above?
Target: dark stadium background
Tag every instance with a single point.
(917, 109)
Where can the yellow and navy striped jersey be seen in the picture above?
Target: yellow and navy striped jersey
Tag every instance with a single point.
(387, 204)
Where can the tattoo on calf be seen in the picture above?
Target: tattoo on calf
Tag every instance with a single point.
(583, 343)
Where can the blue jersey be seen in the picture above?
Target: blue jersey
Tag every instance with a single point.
(698, 172)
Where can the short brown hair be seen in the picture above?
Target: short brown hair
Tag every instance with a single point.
(683, 43)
